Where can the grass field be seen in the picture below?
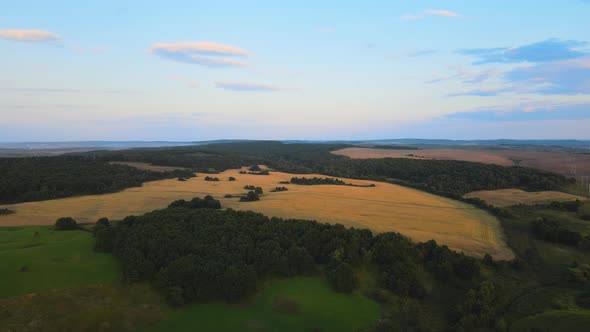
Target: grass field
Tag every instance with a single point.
(553, 161)
(555, 321)
(295, 304)
(508, 197)
(105, 307)
(386, 207)
(34, 259)
(148, 167)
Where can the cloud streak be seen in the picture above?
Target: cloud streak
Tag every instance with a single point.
(249, 87)
(208, 54)
(543, 51)
(431, 12)
(29, 36)
(415, 54)
(579, 111)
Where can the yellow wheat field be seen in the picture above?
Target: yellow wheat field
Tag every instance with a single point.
(386, 207)
(508, 197)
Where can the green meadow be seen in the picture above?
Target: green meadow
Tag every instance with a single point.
(35, 259)
(294, 304)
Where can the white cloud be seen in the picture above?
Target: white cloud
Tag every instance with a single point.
(29, 35)
(206, 54)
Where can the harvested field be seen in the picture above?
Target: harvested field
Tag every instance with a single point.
(386, 207)
(148, 167)
(557, 162)
(508, 197)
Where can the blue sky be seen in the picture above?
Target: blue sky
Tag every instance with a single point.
(197, 70)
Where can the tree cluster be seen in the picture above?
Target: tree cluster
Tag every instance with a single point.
(555, 231)
(265, 172)
(251, 196)
(257, 190)
(211, 178)
(66, 224)
(197, 203)
(571, 206)
(211, 254)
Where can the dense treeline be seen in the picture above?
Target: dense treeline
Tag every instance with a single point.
(443, 177)
(42, 178)
(317, 181)
(201, 253)
(196, 158)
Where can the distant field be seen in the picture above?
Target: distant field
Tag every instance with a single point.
(444, 154)
(508, 197)
(386, 207)
(148, 167)
(294, 304)
(37, 258)
(557, 162)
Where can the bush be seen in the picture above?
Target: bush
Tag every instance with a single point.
(5, 211)
(66, 224)
(250, 197)
(255, 168)
(278, 189)
(231, 178)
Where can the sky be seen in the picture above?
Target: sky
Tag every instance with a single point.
(315, 70)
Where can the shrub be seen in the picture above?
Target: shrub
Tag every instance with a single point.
(231, 178)
(255, 168)
(66, 224)
(277, 189)
(250, 197)
(5, 211)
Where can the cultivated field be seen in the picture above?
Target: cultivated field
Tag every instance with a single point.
(386, 207)
(557, 162)
(147, 167)
(508, 197)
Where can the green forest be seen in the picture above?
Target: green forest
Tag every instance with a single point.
(43, 178)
